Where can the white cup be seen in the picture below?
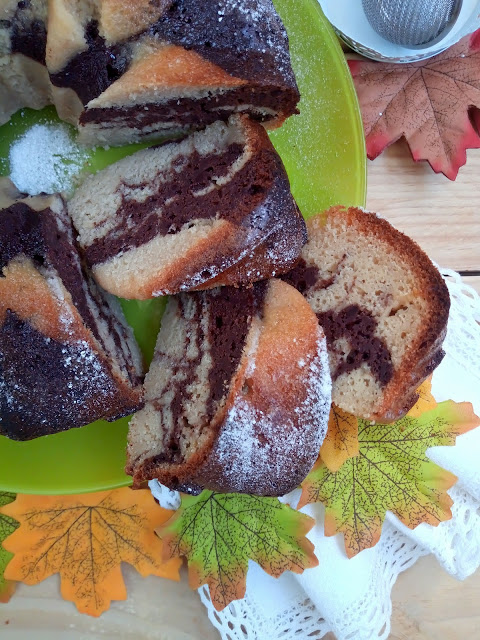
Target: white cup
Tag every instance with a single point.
(350, 22)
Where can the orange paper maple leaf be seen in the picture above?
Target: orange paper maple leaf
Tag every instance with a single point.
(425, 402)
(427, 102)
(341, 441)
(84, 538)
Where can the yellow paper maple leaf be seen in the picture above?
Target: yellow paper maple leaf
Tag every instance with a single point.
(391, 473)
(425, 401)
(341, 441)
(84, 538)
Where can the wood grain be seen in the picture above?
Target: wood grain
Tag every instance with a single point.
(473, 281)
(156, 609)
(441, 215)
(431, 605)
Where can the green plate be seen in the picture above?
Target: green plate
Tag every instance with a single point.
(323, 151)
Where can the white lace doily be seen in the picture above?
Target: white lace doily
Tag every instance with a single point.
(352, 598)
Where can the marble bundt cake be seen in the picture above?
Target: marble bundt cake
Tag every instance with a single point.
(67, 356)
(214, 208)
(24, 80)
(238, 394)
(124, 71)
(383, 307)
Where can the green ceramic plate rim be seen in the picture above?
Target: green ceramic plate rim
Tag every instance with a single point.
(357, 151)
(349, 89)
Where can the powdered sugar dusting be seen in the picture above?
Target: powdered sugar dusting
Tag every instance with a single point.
(264, 20)
(69, 384)
(85, 371)
(319, 386)
(273, 452)
(236, 28)
(45, 160)
(64, 306)
(261, 9)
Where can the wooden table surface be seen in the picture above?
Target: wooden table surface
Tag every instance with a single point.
(444, 218)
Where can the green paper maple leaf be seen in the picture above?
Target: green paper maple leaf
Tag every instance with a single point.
(390, 473)
(7, 527)
(220, 532)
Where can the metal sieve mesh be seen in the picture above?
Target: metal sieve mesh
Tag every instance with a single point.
(412, 23)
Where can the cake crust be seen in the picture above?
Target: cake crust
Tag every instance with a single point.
(67, 357)
(383, 305)
(264, 432)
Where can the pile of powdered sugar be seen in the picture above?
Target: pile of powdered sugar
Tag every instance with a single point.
(45, 159)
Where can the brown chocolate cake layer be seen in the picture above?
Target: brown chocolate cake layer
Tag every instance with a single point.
(232, 43)
(358, 327)
(199, 61)
(238, 393)
(28, 31)
(177, 201)
(67, 356)
(191, 111)
(91, 71)
(213, 208)
(230, 316)
(24, 80)
(24, 232)
(245, 38)
(383, 307)
(48, 386)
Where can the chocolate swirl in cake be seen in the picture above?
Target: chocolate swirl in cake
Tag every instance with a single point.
(35, 235)
(259, 39)
(174, 204)
(192, 214)
(65, 345)
(91, 71)
(27, 26)
(48, 386)
(226, 33)
(219, 322)
(127, 74)
(191, 111)
(383, 307)
(356, 325)
(238, 393)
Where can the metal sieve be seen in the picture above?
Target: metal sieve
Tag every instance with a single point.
(412, 23)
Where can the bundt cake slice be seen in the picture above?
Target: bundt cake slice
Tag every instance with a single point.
(24, 79)
(203, 211)
(238, 393)
(90, 46)
(382, 304)
(131, 71)
(67, 356)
